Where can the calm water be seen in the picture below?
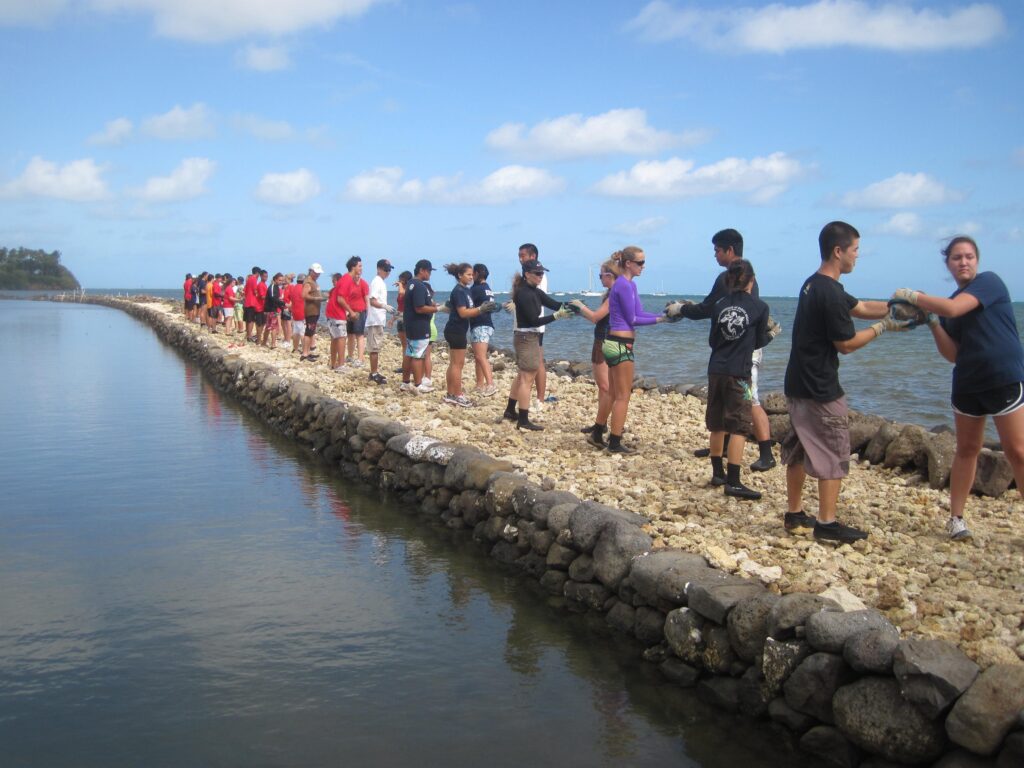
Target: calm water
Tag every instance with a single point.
(901, 376)
(179, 587)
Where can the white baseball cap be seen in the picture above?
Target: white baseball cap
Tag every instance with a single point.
(315, 267)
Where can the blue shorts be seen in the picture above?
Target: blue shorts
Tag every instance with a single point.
(417, 348)
(481, 334)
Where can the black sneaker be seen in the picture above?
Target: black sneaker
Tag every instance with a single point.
(740, 491)
(837, 533)
(799, 522)
(717, 481)
(763, 465)
(702, 453)
(376, 378)
(529, 426)
(596, 439)
(506, 416)
(620, 448)
(587, 430)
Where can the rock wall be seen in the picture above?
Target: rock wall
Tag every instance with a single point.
(842, 682)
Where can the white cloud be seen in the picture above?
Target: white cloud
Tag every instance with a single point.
(30, 12)
(905, 224)
(78, 181)
(288, 188)
(264, 58)
(187, 181)
(762, 178)
(512, 182)
(618, 131)
(643, 226)
(219, 20)
(115, 132)
(777, 27)
(179, 123)
(904, 190)
(261, 128)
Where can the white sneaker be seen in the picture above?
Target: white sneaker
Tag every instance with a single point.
(490, 391)
(536, 406)
(424, 387)
(460, 400)
(408, 387)
(957, 529)
(427, 382)
(340, 369)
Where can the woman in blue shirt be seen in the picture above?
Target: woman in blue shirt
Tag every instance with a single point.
(481, 328)
(977, 332)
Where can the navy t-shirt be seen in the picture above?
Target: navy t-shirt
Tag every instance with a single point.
(417, 294)
(822, 317)
(739, 325)
(480, 293)
(989, 353)
(459, 297)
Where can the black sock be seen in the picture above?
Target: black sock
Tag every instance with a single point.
(733, 474)
(614, 440)
(717, 467)
(510, 409)
(524, 415)
(827, 525)
(765, 448)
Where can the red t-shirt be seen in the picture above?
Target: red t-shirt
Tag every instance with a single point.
(401, 303)
(298, 305)
(354, 292)
(334, 310)
(218, 294)
(259, 300)
(249, 296)
(229, 295)
(188, 289)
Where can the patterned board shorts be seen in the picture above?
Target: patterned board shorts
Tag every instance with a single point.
(617, 349)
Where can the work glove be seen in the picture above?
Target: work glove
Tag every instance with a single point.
(905, 294)
(509, 306)
(563, 312)
(933, 320)
(901, 309)
(774, 327)
(673, 308)
(576, 306)
(488, 306)
(888, 324)
(446, 307)
(389, 308)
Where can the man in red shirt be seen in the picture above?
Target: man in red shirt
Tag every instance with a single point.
(229, 304)
(298, 313)
(249, 303)
(190, 305)
(355, 290)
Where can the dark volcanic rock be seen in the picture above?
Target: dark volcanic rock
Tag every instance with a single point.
(932, 673)
(748, 625)
(791, 611)
(811, 686)
(831, 746)
(989, 709)
(872, 651)
(829, 630)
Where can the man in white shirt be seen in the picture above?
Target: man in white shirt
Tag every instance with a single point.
(376, 317)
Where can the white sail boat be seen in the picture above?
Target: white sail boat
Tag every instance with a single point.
(590, 284)
(660, 291)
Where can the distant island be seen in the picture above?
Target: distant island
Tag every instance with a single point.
(24, 269)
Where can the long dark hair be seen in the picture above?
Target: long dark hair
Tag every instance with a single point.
(738, 275)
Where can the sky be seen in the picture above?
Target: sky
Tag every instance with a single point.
(147, 138)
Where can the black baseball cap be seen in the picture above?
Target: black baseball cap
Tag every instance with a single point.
(423, 264)
(532, 265)
(385, 264)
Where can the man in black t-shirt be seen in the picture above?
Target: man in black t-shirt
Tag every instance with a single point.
(819, 442)
(419, 306)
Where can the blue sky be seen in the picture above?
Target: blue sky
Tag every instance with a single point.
(147, 138)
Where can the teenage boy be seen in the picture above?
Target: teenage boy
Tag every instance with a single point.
(419, 306)
(376, 316)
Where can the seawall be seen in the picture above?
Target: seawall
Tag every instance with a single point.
(842, 679)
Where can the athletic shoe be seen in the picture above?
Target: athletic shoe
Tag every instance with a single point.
(424, 387)
(587, 430)
(408, 387)
(702, 453)
(837, 533)
(341, 369)
(490, 391)
(621, 448)
(376, 378)
(799, 522)
(356, 363)
(740, 491)
(762, 465)
(460, 400)
(426, 380)
(717, 481)
(397, 370)
(529, 425)
(506, 416)
(537, 406)
(958, 530)
(596, 439)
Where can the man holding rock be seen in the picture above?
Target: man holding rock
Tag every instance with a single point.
(819, 442)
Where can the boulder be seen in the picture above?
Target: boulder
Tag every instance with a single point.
(872, 651)
(621, 617)
(718, 656)
(524, 497)
(684, 635)
(754, 694)
(716, 601)
(617, 546)
(939, 453)
(593, 596)
(961, 758)
(989, 710)
(558, 516)
(548, 499)
(780, 658)
(748, 624)
(1012, 753)
(994, 473)
(774, 403)
(582, 569)
(831, 746)
(873, 715)
(908, 449)
(468, 468)
(829, 630)
(650, 625)
(779, 426)
(780, 712)
(375, 426)
(590, 519)
(553, 582)
(722, 692)
(863, 427)
(876, 447)
(813, 683)
(660, 578)
(932, 674)
(559, 557)
(679, 672)
(791, 611)
(498, 497)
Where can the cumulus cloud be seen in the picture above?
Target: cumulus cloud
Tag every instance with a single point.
(180, 123)
(778, 27)
(618, 131)
(512, 182)
(288, 188)
(762, 179)
(643, 226)
(186, 182)
(905, 224)
(262, 128)
(78, 181)
(115, 132)
(219, 20)
(264, 58)
(904, 190)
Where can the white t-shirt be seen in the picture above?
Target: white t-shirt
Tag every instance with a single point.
(378, 291)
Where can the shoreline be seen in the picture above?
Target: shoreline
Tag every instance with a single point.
(968, 593)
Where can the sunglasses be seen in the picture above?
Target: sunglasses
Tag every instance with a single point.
(639, 262)
(605, 274)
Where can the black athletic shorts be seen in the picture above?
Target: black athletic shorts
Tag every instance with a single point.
(311, 321)
(260, 318)
(992, 402)
(249, 314)
(456, 339)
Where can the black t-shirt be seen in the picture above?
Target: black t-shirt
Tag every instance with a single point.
(417, 294)
(528, 301)
(460, 297)
(822, 317)
(481, 293)
(703, 309)
(739, 325)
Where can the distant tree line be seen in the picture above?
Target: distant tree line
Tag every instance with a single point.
(26, 269)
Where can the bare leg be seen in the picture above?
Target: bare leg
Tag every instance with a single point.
(1011, 434)
(620, 378)
(970, 434)
(453, 376)
(828, 499)
(795, 476)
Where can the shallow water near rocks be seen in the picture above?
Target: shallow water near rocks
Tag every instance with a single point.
(179, 586)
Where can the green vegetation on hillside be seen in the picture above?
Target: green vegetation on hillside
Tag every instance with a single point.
(22, 269)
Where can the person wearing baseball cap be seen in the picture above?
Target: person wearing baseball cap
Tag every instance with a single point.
(312, 298)
(376, 317)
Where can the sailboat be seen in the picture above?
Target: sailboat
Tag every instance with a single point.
(590, 284)
(660, 291)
